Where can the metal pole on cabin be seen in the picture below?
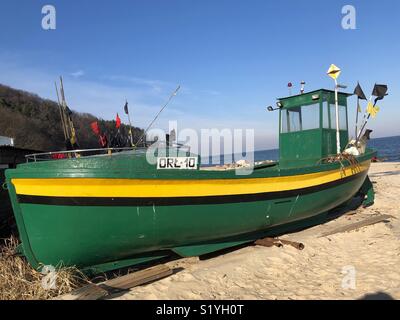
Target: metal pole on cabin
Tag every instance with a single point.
(358, 106)
(302, 83)
(337, 118)
(290, 88)
(334, 73)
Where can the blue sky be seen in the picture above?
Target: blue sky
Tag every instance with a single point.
(232, 58)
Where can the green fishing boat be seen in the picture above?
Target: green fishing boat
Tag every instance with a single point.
(114, 209)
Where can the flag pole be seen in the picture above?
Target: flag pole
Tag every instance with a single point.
(365, 119)
(337, 118)
(334, 73)
(380, 91)
(130, 124)
(357, 111)
(364, 124)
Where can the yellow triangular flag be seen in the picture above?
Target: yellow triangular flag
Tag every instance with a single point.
(372, 110)
(333, 71)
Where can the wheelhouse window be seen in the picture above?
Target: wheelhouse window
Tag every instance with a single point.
(342, 117)
(310, 117)
(300, 118)
(290, 120)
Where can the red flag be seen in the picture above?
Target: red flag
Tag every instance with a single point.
(118, 122)
(95, 128)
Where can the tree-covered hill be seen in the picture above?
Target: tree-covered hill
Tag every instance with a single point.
(35, 123)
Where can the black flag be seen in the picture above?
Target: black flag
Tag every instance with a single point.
(359, 92)
(126, 108)
(380, 90)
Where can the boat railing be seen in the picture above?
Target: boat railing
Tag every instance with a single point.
(79, 153)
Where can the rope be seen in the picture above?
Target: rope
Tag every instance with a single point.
(342, 157)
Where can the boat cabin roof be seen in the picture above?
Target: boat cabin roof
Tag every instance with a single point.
(313, 92)
(309, 98)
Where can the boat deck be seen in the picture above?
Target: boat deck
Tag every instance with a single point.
(234, 166)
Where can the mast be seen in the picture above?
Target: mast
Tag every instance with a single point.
(69, 125)
(61, 113)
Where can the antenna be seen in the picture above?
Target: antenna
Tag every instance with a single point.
(303, 83)
(290, 85)
(159, 112)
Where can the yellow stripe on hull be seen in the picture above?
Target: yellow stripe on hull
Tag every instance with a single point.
(100, 187)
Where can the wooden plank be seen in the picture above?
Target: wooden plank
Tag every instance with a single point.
(357, 225)
(89, 292)
(101, 290)
(137, 278)
(269, 242)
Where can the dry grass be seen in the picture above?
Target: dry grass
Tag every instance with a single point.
(19, 281)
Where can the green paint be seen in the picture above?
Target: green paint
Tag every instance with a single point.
(101, 238)
(301, 144)
(367, 190)
(111, 236)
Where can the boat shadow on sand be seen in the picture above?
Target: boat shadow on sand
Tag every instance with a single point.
(348, 208)
(386, 173)
(345, 209)
(377, 296)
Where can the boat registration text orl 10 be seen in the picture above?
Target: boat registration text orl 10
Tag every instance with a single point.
(177, 163)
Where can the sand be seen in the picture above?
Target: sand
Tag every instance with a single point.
(363, 263)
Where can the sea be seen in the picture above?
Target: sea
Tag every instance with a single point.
(388, 150)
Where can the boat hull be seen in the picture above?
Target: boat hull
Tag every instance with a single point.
(6, 215)
(100, 222)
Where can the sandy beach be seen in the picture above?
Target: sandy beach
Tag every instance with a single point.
(362, 263)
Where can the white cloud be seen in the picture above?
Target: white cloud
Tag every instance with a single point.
(106, 97)
(77, 74)
(157, 86)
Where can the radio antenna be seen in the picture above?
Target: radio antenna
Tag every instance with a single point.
(158, 114)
